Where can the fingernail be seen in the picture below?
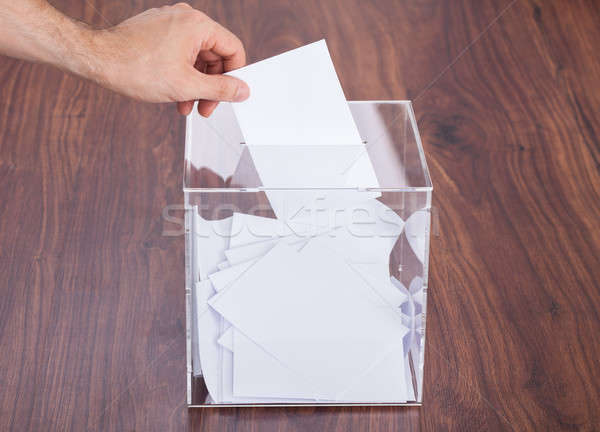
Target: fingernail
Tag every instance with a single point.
(243, 91)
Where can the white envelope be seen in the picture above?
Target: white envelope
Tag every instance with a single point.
(252, 251)
(299, 129)
(211, 239)
(226, 390)
(384, 381)
(366, 231)
(377, 276)
(258, 374)
(295, 99)
(223, 278)
(331, 208)
(248, 229)
(226, 339)
(208, 329)
(313, 166)
(347, 207)
(308, 310)
(223, 265)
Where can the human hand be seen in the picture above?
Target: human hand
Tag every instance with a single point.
(171, 54)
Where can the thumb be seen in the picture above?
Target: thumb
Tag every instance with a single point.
(217, 88)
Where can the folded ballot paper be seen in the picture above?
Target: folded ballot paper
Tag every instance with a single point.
(301, 307)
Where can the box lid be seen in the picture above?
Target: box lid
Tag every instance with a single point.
(217, 158)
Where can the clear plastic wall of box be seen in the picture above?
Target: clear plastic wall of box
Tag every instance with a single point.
(220, 179)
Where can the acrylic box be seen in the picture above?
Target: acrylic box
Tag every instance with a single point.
(306, 266)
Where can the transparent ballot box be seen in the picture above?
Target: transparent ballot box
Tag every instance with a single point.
(306, 265)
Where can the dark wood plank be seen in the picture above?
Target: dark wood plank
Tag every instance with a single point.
(506, 93)
(512, 135)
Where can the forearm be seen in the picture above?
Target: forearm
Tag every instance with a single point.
(167, 54)
(34, 30)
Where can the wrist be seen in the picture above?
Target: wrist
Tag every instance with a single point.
(97, 60)
(78, 51)
(74, 46)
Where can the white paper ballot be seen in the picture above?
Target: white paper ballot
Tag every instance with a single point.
(366, 230)
(308, 310)
(383, 382)
(377, 276)
(225, 391)
(211, 239)
(258, 374)
(226, 339)
(295, 99)
(208, 330)
(228, 397)
(299, 128)
(314, 166)
(249, 229)
(223, 278)
(252, 251)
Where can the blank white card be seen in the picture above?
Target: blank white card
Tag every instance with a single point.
(295, 99)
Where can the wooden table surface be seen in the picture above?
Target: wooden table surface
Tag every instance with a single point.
(507, 97)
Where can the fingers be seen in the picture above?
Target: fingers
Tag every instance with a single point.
(185, 108)
(225, 44)
(182, 5)
(216, 87)
(220, 51)
(213, 63)
(206, 108)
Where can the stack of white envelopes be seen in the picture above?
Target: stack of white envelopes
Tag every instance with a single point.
(300, 307)
(290, 312)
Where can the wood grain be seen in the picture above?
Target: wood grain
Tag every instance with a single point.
(508, 101)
